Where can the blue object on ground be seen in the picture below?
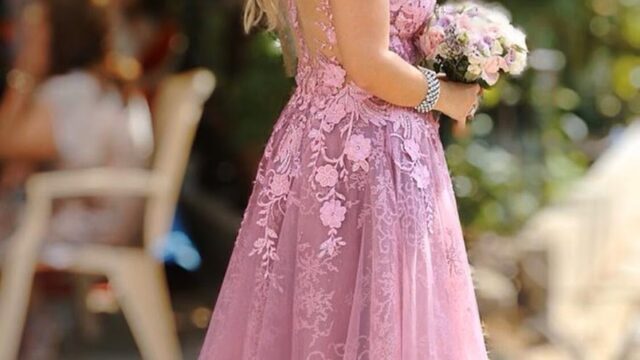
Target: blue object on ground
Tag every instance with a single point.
(177, 248)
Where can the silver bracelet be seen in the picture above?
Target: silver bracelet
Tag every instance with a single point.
(433, 90)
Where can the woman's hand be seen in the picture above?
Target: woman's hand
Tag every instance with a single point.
(458, 101)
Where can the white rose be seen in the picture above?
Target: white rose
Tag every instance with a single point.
(519, 64)
(515, 37)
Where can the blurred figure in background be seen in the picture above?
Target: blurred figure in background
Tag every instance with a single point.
(145, 32)
(64, 108)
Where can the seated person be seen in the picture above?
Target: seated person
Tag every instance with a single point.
(63, 109)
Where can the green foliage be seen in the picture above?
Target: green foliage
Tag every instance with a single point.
(252, 88)
(534, 135)
(258, 92)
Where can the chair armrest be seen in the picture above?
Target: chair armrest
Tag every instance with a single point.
(95, 182)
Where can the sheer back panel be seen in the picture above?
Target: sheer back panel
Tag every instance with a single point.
(313, 22)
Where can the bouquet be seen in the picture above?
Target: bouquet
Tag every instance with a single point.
(472, 43)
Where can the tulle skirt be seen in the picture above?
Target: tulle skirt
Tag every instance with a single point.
(350, 247)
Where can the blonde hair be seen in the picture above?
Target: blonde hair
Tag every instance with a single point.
(255, 11)
(273, 14)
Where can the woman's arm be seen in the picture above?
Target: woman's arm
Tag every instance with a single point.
(26, 131)
(362, 30)
(25, 124)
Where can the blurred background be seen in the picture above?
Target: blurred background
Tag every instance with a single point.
(546, 176)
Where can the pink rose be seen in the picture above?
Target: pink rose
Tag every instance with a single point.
(464, 23)
(358, 148)
(430, 40)
(491, 69)
(332, 213)
(327, 176)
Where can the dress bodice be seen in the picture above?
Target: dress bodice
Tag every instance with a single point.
(315, 39)
(407, 18)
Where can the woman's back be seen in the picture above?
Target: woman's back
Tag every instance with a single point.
(315, 35)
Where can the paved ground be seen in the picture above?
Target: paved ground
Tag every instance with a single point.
(107, 337)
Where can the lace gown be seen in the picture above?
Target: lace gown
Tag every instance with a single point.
(351, 246)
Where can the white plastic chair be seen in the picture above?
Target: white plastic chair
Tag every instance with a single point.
(136, 276)
(593, 252)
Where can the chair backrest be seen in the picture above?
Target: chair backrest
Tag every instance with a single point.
(593, 253)
(177, 110)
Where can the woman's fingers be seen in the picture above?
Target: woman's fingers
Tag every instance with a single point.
(465, 100)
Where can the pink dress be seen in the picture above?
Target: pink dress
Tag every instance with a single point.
(351, 246)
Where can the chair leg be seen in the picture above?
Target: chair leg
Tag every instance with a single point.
(88, 323)
(15, 291)
(143, 295)
(18, 270)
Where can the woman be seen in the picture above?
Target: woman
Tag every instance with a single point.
(351, 246)
(62, 109)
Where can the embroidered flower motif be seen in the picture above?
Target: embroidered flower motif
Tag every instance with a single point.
(358, 149)
(332, 213)
(421, 176)
(410, 15)
(332, 75)
(334, 113)
(397, 4)
(258, 244)
(412, 149)
(293, 140)
(329, 77)
(331, 247)
(279, 184)
(327, 176)
(266, 248)
(404, 22)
